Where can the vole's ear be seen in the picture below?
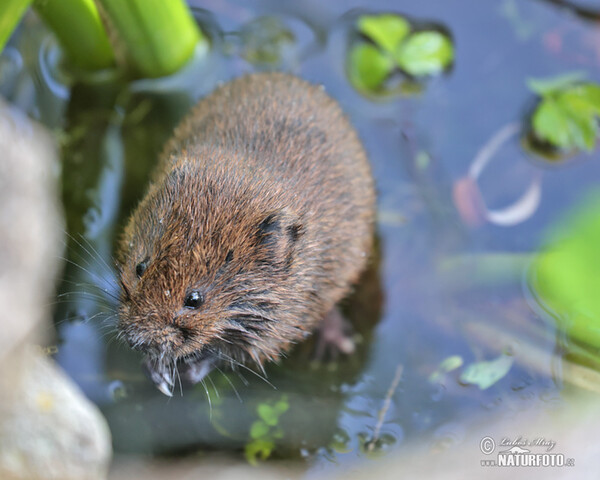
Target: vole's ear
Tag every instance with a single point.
(279, 232)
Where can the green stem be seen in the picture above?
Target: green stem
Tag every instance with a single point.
(158, 36)
(79, 29)
(11, 12)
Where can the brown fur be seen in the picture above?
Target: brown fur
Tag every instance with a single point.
(264, 201)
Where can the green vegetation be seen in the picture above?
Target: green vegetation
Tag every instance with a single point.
(148, 38)
(11, 12)
(485, 374)
(565, 276)
(265, 430)
(390, 44)
(567, 115)
(447, 365)
(425, 53)
(158, 37)
(78, 27)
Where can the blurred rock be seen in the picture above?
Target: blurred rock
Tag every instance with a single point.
(30, 227)
(48, 429)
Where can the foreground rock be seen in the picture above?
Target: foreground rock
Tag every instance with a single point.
(48, 429)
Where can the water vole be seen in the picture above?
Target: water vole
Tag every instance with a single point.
(258, 221)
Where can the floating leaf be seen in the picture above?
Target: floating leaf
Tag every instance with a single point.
(568, 120)
(265, 40)
(544, 86)
(567, 115)
(425, 53)
(386, 30)
(268, 414)
(565, 276)
(258, 429)
(258, 450)
(447, 365)
(485, 374)
(369, 67)
(281, 406)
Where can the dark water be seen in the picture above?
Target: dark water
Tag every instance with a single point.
(426, 296)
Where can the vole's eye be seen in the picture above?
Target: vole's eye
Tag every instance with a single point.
(193, 300)
(141, 267)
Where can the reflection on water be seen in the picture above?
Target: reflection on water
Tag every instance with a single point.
(439, 289)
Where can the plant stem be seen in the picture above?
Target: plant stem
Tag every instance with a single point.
(158, 36)
(11, 12)
(79, 29)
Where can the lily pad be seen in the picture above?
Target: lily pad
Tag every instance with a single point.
(386, 30)
(369, 67)
(425, 53)
(486, 374)
(567, 114)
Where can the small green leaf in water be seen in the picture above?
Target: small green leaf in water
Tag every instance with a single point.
(258, 429)
(425, 53)
(259, 449)
(568, 119)
(281, 406)
(386, 30)
(268, 414)
(369, 67)
(485, 374)
(265, 40)
(447, 365)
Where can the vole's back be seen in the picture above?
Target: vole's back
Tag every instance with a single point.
(290, 145)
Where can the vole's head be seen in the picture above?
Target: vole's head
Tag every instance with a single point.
(205, 275)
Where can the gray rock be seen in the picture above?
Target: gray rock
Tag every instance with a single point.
(48, 429)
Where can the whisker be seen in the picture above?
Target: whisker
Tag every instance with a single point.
(209, 400)
(93, 275)
(213, 386)
(230, 383)
(98, 256)
(104, 291)
(241, 365)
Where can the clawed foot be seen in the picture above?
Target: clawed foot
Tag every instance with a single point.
(334, 336)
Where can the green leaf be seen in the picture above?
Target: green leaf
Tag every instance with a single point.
(568, 119)
(268, 414)
(425, 53)
(258, 429)
(565, 276)
(485, 374)
(258, 450)
(551, 124)
(547, 86)
(11, 12)
(265, 40)
(386, 30)
(451, 363)
(447, 365)
(281, 406)
(369, 67)
(591, 93)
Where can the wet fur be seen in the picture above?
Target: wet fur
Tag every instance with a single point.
(264, 201)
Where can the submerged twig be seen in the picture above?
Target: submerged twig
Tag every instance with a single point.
(386, 406)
